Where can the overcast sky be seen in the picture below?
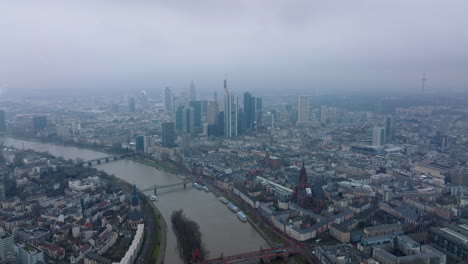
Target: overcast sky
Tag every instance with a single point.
(280, 45)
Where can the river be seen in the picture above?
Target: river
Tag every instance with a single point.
(222, 231)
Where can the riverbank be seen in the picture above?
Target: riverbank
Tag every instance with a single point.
(224, 234)
(155, 228)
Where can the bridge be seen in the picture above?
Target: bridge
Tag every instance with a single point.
(104, 159)
(155, 188)
(266, 255)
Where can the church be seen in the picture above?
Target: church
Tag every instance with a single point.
(310, 197)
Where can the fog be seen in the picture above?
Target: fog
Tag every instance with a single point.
(301, 46)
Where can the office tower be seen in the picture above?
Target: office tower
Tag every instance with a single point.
(389, 129)
(212, 115)
(220, 124)
(249, 110)
(378, 136)
(259, 110)
(131, 105)
(29, 254)
(230, 113)
(140, 143)
(2, 121)
(168, 101)
(188, 121)
(6, 245)
(196, 105)
(193, 92)
(179, 118)
(303, 109)
(39, 122)
(204, 107)
(323, 114)
(168, 134)
(241, 122)
(215, 96)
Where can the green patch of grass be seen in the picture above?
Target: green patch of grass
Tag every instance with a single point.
(156, 164)
(272, 235)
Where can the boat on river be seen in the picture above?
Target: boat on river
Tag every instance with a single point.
(242, 216)
(232, 207)
(153, 197)
(223, 200)
(205, 188)
(196, 185)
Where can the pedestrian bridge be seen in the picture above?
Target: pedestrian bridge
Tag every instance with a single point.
(155, 188)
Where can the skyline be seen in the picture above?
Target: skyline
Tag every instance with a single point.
(304, 46)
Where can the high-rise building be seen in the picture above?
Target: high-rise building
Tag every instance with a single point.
(168, 134)
(249, 110)
(168, 101)
(212, 115)
(188, 121)
(303, 109)
(323, 114)
(140, 143)
(390, 128)
(179, 118)
(6, 245)
(230, 113)
(215, 96)
(193, 92)
(39, 122)
(131, 105)
(259, 110)
(2, 121)
(204, 107)
(378, 136)
(197, 108)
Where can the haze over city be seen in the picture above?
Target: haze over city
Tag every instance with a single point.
(302, 46)
(248, 132)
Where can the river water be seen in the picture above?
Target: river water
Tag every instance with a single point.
(222, 231)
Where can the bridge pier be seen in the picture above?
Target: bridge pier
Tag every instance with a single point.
(98, 161)
(155, 192)
(185, 186)
(90, 164)
(107, 159)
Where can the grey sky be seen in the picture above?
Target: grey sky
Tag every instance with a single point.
(271, 44)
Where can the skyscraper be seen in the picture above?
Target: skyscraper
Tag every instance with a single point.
(168, 134)
(389, 128)
(212, 115)
(259, 110)
(168, 101)
(197, 108)
(131, 105)
(179, 118)
(303, 109)
(378, 136)
(188, 121)
(193, 92)
(140, 143)
(249, 110)
(230, 113)
(2, 121)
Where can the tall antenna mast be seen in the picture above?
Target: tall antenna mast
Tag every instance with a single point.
(423, 80)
